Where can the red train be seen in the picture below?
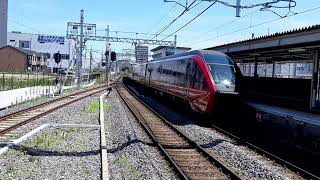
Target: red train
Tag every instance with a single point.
(197, 77)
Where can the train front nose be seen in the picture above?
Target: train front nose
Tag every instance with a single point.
(227, 104)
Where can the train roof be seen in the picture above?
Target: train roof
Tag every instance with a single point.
(194, 52)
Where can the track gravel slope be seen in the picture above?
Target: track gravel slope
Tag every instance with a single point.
(130, 151)
(247, 162)
(57, 153)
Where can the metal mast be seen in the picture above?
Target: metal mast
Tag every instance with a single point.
(3, 22)
(108, 65)
(90, 72)
(79, 64)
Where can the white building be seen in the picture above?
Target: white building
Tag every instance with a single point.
(45, 44)
(162, 51)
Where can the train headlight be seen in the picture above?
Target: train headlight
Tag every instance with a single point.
(226, 83)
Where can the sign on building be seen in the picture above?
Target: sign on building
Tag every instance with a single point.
(50, 39)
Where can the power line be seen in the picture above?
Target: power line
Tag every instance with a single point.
(25, 26)
(163, 17)
(256, 25)
(181, 14)
(220, 26)
(190, 21)
(131, 32)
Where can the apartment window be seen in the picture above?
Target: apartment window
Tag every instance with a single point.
(12, 40)
(24, 44)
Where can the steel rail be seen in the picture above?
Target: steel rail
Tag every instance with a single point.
(25, 111)
(212, 158)
(46, 103)
(292, 167)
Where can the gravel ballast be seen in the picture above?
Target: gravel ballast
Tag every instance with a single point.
(131, 153)
(57, 153)
(245, 161)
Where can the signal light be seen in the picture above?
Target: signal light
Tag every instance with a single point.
(106, 53)
(113, 56)
(57, 57)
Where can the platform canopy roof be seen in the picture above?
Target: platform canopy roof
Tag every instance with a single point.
(297, 44)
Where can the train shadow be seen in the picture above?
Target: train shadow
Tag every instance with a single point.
(128, 143)
(41, 152)
(212, 144)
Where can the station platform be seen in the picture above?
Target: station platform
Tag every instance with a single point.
(286, 113)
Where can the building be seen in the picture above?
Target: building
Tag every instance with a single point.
(162, 51)
(3, 22)
(47, 44)
(142, 53)
(22, 60)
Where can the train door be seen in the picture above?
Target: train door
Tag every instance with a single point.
(150, 69)
(145, 79)
(189, 75)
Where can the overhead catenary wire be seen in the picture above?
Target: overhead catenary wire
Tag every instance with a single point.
(163, 17)
(131, 32)
(20, 24)
(266, 5)
(174, 20)
(259, 24)
(220, 26)
(190, 21)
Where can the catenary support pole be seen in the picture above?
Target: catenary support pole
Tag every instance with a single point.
(79, 68)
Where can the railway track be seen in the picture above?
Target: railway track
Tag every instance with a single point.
(189, 160)
(10, 122)
(305, 174)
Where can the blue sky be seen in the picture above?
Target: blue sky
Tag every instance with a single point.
(51, 17)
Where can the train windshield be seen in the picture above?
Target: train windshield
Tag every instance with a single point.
(222, 71)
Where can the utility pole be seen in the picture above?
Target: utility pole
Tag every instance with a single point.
(238, 8)
(135, 52)
(3, 22)
(90, 72)
(107, 56)
(79, 64)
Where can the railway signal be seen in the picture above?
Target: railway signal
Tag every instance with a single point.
(57, 57)
(106, 53)
(113, 56)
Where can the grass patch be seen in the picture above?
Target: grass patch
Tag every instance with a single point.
(68, 91)
(13, 153)
(11, 172)
(128, 168)
(88, 174)
(33, 100)
(94, 108)
(52, 139)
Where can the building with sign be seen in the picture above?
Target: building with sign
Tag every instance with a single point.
(48, 44)
(142, 53)
(162, 51)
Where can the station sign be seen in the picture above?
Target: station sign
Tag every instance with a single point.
(51, 39)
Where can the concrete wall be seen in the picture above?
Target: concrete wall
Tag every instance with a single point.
(12, 97)
(12, 60)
